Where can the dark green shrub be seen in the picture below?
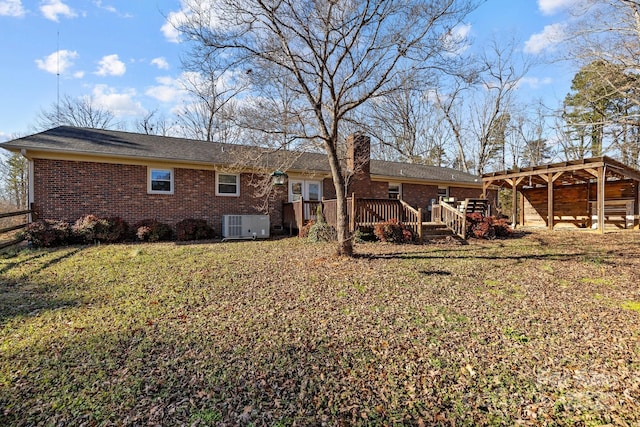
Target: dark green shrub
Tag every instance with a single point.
(320, 231)
(393, 231)
(48, 233)
(364, 234)
(194, 229)
(151, 230)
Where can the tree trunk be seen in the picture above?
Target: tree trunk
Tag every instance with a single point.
(345, 243)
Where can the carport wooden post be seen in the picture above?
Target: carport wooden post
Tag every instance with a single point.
(600, 175)
(514, 199)
(485, 187)
(550, 214)
(550, 178)
(600, 184)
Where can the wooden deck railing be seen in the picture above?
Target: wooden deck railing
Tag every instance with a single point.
(297, 213)
(360, 212)
(369, 212)
(7, 230)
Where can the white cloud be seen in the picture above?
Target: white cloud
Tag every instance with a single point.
(456, 41)
(120, 103)
(108, 8)
(111, 9)
(550, 7)
(547, 39)
(168, 90)
(160, 62)
(53, 9)
(174, 20)
(57, 62)
(11, 8)
(535, 82)
(201, 8)
(78, 74)
(111, 65)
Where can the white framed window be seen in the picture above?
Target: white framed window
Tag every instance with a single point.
(160, 181)
(395, 190)
(443, 193)
(227, 184)
(307, 190)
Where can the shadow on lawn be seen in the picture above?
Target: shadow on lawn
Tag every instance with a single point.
(19, 303)
(39, 255)
(471, 256)
(24, 297)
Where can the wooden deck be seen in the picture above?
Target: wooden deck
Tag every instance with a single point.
(366, 212)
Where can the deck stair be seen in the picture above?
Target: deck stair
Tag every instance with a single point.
(436, 231)
(453, 214)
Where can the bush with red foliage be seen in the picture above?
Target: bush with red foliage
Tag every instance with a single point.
(48, 233)
(487, 227)
(393, 231)
(151, 230)
(90, 229)
(194, 229)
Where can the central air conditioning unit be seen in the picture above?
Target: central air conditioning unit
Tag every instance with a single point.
(245, 227)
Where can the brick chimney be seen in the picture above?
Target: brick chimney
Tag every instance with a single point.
(359, 164)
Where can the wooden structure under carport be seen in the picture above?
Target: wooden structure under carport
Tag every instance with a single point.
(567, 189)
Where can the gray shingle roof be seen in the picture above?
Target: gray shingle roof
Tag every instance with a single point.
(109, 143)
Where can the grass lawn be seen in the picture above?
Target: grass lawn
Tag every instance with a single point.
(541, 330)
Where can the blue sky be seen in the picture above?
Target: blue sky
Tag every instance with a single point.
(124, 54)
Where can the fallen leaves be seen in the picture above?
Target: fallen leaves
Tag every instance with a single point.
(228, 334)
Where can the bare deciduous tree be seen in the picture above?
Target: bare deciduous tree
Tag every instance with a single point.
(209, 110)
(341, 55)
(607, 32)
(408, 126)
(152, 124)
(81, 112)
(527, 143)
(493, 103)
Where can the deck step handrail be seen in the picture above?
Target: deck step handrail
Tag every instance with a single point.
(412, 219)
(453, 219)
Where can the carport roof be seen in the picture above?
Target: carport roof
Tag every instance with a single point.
(562, 173)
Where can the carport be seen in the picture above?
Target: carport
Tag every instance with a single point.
(590, 192)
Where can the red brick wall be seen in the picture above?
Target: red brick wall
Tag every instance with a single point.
(465, 193)
(67, 190)
(419, 196)
(361, 185)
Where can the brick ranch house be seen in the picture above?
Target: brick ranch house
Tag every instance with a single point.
(79, 171)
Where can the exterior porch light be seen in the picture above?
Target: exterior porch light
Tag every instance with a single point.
(278, 177)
